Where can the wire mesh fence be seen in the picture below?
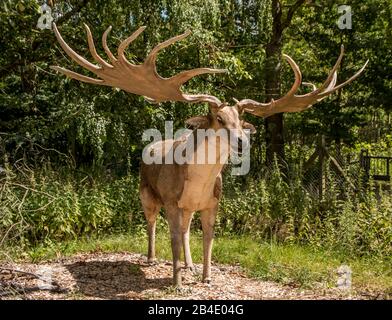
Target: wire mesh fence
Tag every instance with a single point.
(324, 167)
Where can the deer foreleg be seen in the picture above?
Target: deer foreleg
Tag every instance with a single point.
(151, 241)
(175, 223)
(208, 222)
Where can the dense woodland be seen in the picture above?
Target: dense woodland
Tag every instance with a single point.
(70, 152)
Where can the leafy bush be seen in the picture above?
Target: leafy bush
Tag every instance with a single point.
(47, 205)
(356, 223)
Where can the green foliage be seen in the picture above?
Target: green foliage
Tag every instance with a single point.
(46, 205)
(357, 223)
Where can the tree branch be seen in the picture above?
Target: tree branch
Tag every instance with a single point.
(286, 23)
(68, 15)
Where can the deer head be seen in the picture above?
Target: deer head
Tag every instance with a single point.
(226, 118)
(144, 80)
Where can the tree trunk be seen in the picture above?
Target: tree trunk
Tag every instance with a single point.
(274, 124)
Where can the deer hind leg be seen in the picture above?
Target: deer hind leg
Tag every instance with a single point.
(187, 219)
(179, 223)
(151, 207)
(208, 221)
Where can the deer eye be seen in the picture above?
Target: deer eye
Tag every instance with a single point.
(219, 119)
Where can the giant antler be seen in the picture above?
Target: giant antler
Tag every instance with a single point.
(292, 102)
(141, 79)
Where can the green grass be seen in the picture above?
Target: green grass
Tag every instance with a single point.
(295, 265)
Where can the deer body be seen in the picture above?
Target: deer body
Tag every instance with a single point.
(188, 186)
(182, 189)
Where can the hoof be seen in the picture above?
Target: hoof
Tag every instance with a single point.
(191, 268)
(152, 262)
(176, 289)
(179, 289)
(182, 290)
(207, 280)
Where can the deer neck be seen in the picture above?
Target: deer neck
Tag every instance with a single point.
(198, 192)
(209, 156)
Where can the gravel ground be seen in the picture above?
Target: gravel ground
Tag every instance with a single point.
(128, 276)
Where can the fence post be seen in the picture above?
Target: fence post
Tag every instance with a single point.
(365, 165)
(321, 167)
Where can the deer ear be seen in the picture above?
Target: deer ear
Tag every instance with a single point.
(200, 122)
(249, 126)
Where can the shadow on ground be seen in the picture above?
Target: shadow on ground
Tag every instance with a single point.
(113, 279)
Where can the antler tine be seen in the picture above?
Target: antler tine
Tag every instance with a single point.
(297, 74)
(316, 92)
(330, 82)
(123, 45)
(92, 49)
(111, 56)
(212, 100)
(309, 84)
(184, 76)
(333, 72)
(151, 58)
(347, 81)
(72, 54)
(333, 82)
(77, 76)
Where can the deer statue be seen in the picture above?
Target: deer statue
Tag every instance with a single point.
(183, 188)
